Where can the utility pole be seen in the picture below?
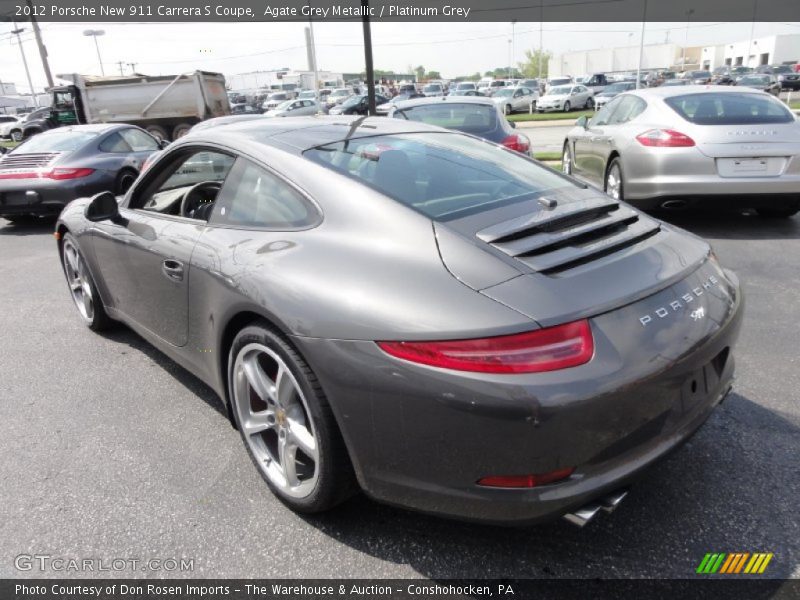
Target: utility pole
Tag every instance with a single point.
(689, 14)
(752, 31)
(42, 49)
(133, 67)
(541, 48)
(513, 47)
(16, 32)
(119, 63)
(641, 48)
(368, 57)
(94, 33)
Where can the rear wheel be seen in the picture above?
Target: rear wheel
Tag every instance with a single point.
(567, 106)
(125, 179)
(507, 110)
(286, 422)
(82, 287)
(613, 184)
(589, 103)
(16, 135)
(157, 131)
(181, 130)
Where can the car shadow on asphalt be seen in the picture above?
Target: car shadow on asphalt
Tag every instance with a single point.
(729, 489)
(120, 334)
(734, 225)
(34, 227)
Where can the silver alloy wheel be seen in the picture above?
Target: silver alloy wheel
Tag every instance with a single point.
(275, 420)
(16, 136)
(614, 182)
(78, 279)
(566, 161)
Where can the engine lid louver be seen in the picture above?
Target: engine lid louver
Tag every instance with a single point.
(32, 160)
(574, 233)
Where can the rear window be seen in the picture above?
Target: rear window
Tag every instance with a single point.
(442, 175)
(56, 141)
(729, 109)
(469, 118)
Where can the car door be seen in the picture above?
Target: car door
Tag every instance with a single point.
(142, 145)
(604, 138)
(144, 255)
(582, 145)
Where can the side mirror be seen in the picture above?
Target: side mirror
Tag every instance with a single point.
(583, 121)
(103, 207)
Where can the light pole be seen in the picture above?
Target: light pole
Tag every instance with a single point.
(752, 31)
(94, 33)
(689, 14)
(641, 48)
(513, 46)
(541, 47)
(510, 45)
(25, 64)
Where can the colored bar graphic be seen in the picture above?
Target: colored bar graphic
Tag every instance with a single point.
(733, 563)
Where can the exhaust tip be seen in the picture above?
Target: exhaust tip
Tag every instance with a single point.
(608, 503)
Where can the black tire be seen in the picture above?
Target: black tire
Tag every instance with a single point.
(16, 135)
(124, 180)
(567, 160)
(335, 480)
(99, 319)
(507, 109)
(181, 130)
(615, 165)
(158, 132)
(567, 106)
(589, 103)
(783, 212)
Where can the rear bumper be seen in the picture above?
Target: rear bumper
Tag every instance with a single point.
(422, 437)
(718, 201)
(48, 197)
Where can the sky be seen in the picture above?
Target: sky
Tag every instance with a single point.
(452, 48)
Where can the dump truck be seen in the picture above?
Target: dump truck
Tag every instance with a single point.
(165, 105)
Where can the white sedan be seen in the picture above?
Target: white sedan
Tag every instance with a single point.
(566, 97)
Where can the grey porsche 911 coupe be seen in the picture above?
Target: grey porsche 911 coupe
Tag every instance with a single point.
(427, 316)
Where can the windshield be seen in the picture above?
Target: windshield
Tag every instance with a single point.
(442, 175)
(503, 93)
(306, 95)
(465, 86)
(616, 88)
(340, 93)
(700, 74)
(467, 117)
(278, 97)
(432, 88)
(757, 79)
(561, 90)
(283, 105)
(730, 109)
(55, 141)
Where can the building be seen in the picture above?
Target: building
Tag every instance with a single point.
(624, 59)
(282, 79)
(770, 50)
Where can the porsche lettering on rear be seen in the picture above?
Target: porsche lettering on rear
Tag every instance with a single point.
(677, 305)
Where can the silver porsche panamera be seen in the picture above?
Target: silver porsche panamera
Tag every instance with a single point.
(431, 318)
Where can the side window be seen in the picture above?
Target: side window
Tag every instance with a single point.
(629, 108)
(254, 197)
(603, 115)
(139, 141)
(114, 143)
(167, 187)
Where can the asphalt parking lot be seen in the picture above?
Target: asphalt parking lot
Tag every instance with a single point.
(112, 450)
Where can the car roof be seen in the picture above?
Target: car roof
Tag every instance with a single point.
(485, 100)
(679, 90)
(93, 128)
(302, 133)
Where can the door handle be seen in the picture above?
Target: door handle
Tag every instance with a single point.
(172, 269)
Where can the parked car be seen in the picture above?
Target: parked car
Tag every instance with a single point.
(676, 82)
(337, 96)
(407, 88)
(612, 91)
(565, 97)
(386, 107)
(761, 81)
(380, 321)
(786, 76)
(467, 93)
(700, 77)
(464, 86)
(295, 108)
(675, 147)
(356, 105)
(13, 129)
(728, 75)
(274, 99)
(512, 99)
(307, 95)
(494, 86)
(244, 109)
(7, 122)
(433, 89)
(478, 116)
(597, 82)
(558, 81)
(46, 172)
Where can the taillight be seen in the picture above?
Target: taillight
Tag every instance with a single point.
(517, 142)
(664, 138)
(525, 481)
(66, 173)
(547, 349)
(57, 173)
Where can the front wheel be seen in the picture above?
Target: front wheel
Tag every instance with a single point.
(566, 160)
(589, 104)
(567, 106)
(16, 135)
(613, 184)
(286, 422)
(507, 110)
(81, 286)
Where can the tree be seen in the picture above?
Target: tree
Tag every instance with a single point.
(433, 75)
(420, 71)
(530, 68)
